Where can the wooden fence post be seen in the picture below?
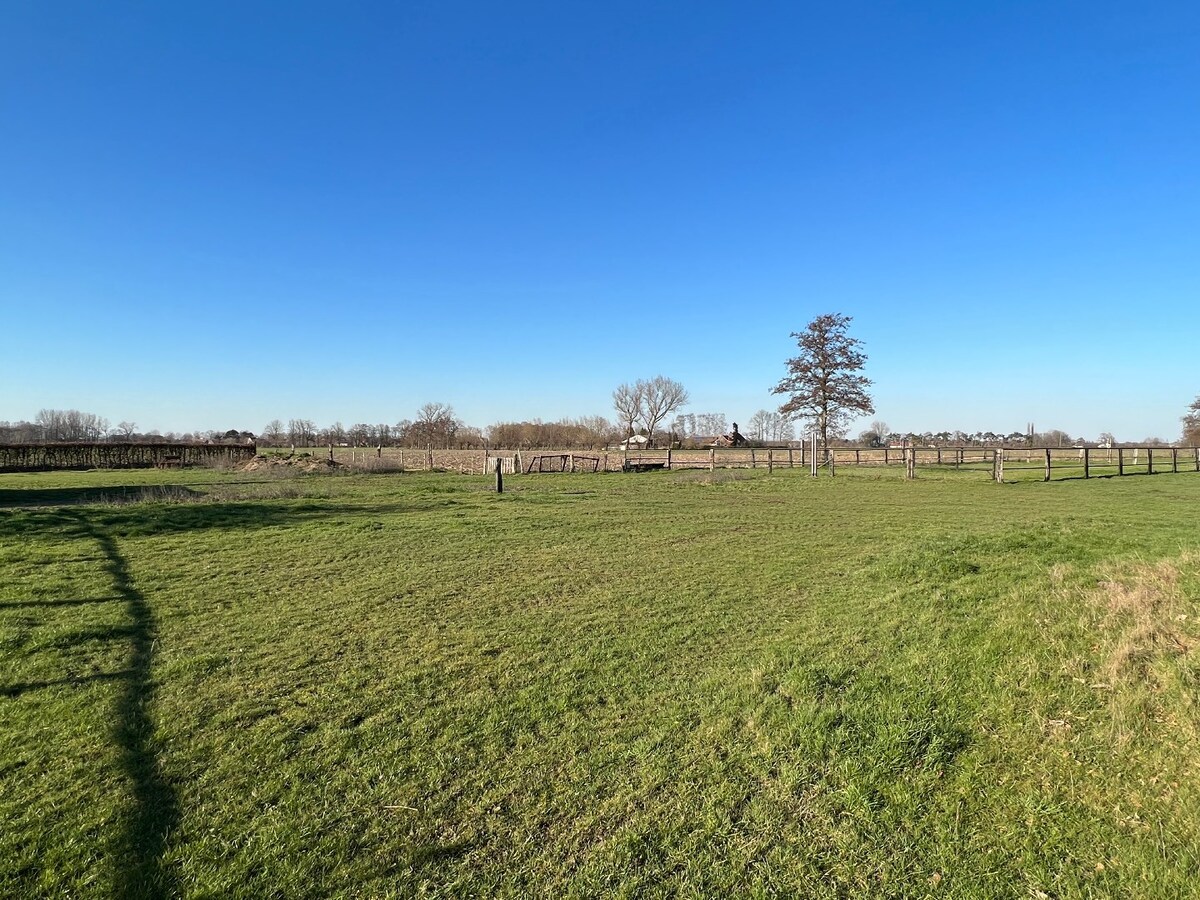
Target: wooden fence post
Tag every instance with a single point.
(1047, 478)
(998, 462)
(712, 459)
(812, 459)
(753, 463)
(1086, 469)
(791, 463)
(770, 460)
(668, 457)
(1149, 460)
(1120, 461)
(1174, 459)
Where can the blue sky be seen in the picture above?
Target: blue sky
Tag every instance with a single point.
(215, 214)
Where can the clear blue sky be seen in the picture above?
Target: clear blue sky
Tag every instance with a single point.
(214, 214)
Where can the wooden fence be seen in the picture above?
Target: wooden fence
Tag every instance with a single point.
(1000, 464)
(130, 455)
(1049, 463)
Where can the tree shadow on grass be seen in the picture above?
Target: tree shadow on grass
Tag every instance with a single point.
(144, 837)
(73, 496)
(145, 519)
(67, 602)
(155, 813)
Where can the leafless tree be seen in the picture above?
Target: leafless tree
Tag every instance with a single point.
(273, 432)
(435, 425)
(302, 432)
(71, 425)
(661, 396)
(876, 435)
(711, 425)
(629, 401)
(824, 386)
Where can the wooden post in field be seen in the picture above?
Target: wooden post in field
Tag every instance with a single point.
(857, 458)
(1174, 459)
(791, 462)
(571, 462)
(813, 456)
(1086, 470)
(379, 452)
(401, 457)
(1149, 460)
(770, 460)
(668, 457)
(910, 463)
(605, 462)
(1196, 454)
(1047, 478)
(1120, 461)
(939, 456)
(712, 459)
(753, 463)
(429, 458)
(499, 475)
(998, 463)
(331, 451)
(832, 462)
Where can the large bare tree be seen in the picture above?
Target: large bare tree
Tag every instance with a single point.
(629, 403)
(661, 396)
(825, 384)
(273, 432)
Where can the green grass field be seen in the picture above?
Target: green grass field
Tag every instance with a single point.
(661, 685)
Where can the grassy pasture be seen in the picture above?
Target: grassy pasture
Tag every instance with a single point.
(672, 684)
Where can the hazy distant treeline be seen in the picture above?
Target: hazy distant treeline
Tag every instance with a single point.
(436, 425)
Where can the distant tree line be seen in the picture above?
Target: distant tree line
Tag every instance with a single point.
(72, 425)
(642, 407)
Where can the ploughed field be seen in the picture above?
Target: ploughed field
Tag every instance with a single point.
(669, 684)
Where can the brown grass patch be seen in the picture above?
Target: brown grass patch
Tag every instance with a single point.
(1147, 611)
(1148, 623)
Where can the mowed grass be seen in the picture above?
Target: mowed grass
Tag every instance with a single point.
(659, 685)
